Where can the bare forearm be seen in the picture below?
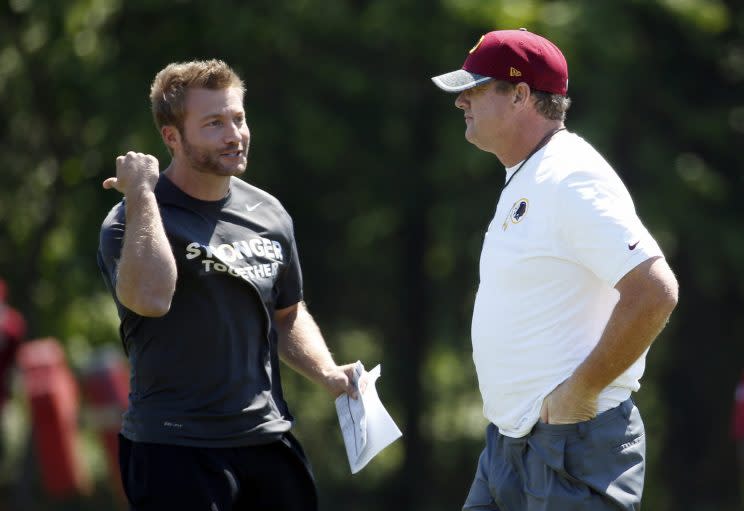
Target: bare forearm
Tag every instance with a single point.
(147, 269)
(646, 302)
(302, 347)
(630, 332)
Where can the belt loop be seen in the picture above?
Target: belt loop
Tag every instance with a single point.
(521, 442)
(582, 428)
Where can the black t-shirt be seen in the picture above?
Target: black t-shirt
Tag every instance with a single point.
(207, 372)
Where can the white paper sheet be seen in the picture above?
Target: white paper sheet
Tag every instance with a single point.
(366, 425)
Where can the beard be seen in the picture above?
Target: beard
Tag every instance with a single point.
(208, 162)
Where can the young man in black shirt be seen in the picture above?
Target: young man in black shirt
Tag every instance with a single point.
(204, 271)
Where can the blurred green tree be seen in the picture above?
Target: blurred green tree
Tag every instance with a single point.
(390, 203)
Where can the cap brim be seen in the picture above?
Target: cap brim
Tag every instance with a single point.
(460, 80)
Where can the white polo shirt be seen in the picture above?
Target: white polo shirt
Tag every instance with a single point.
(564, 233)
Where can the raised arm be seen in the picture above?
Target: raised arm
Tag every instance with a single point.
(648, 295)
(302, 347)
(146, 275)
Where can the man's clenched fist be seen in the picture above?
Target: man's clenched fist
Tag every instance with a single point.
(134, 172)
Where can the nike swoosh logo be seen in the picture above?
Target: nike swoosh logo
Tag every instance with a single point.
(633, 246)
(251, 208)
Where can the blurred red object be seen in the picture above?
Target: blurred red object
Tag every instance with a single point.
(12, 332)
(737, 427)
(52, 394)
(106, 389)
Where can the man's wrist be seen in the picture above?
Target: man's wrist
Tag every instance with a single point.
(139, 193)
(329, 373)
(581, 386)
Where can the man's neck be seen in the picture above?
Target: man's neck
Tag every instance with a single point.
(199, 185)
(525, 140)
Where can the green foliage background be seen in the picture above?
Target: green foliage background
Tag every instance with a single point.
(389, 201)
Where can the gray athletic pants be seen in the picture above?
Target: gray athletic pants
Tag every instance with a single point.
(597, 465)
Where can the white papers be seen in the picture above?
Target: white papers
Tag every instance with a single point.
(366, 426)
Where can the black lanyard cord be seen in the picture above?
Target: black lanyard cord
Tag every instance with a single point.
(539, 146)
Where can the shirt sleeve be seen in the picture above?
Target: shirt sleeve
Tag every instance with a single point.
(288, 287)
(598, 223)
(109, 247)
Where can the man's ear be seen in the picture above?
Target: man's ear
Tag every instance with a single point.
(521, 92)
(171, 137)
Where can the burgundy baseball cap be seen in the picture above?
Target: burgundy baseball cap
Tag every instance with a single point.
(513, 56)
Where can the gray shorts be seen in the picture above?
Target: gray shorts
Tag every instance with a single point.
(593, 465)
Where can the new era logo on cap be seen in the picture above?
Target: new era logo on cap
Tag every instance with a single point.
(513, 56)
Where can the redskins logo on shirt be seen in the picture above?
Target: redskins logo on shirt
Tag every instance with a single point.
(516, 213)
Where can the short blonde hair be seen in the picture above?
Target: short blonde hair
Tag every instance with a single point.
(169, 88)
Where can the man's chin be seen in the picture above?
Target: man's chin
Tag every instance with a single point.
(470, 138)
(239, 169)
(232, 170)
